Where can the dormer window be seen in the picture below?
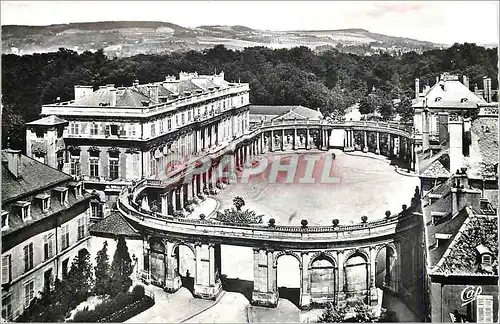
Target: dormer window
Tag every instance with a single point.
(438, 99)
(62, 194)
(24, 209)
(76, 187)
(464, 100)
(485, 257)
(44, 200)
(5, 220)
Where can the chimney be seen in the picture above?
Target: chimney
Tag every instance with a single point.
(462, 194)
(153, 92)
(417, 88)
(83, 91)
(487, 89)
(13, 162)
(112, 92)
(466, 81)
(455, 129)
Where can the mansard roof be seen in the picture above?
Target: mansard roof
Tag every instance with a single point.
(448, 93)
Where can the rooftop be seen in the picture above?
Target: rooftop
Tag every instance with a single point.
(48, 121)
(115, 225)
(34, 176)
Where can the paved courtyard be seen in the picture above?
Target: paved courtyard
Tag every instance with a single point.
(368, 186)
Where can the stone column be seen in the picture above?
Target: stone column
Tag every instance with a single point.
(207, 284)
(164, 204)
(146, 252)
(305, 291)
(294, 138)
(341, 278)
(373, 290)
(283, 139)
(172, 280)
(186, 189)
(307, 139)
(378, 143)
(271, 145)
(400, 148)
(365, 141)
(181, 197)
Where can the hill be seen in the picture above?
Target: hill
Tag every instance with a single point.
(128, 38)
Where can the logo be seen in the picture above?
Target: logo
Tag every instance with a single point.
(470, 293)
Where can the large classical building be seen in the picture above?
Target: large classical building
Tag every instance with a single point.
(111, 136)
(45, 217)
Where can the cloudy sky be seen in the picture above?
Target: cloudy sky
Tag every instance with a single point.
(440, 22)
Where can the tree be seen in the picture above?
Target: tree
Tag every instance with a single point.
(238, 202)
(405, 110)
(364, 313)
(332, 314)
(80, 278)
(102, 271)
(121, 268)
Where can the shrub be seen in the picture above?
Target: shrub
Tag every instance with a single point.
(238, 202)
(138, 292)
(237, 216)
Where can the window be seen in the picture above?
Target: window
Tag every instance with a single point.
(64, 237)
(182, 119)
(7, 308)
(161, 127)
(81, 228)
(28, 257)
(64, 269)
(131, 130)
(153, 130)
(224, 105)
(48, 246)
(177, 120)
(486, 259)
(242, 100)
(113, 168)
(45, 204)
(60, 160)
(29, 293)
(5, 220)
(96, 209)
(94, 166)
(47, 280)
(484, 309)
(94, 129)
(189, 116)
(113, 129)
(169, 124)
(39, 133)
(75, 128)
(75, 165)
(24, 208)
(6, 269)
(152, 163)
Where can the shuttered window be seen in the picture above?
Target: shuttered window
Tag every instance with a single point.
(64, 237)
(484, 309)
(28, 257)
(48, 246)
(6, 275)
(29, 293)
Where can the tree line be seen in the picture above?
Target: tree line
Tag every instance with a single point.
(330, 80)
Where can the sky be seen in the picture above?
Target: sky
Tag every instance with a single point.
(444, 22)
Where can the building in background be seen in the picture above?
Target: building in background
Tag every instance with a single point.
(112, 136)
(45, 218)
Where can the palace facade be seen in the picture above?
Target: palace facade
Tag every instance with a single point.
(113, 135)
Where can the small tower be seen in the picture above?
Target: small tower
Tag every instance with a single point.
(44, 141)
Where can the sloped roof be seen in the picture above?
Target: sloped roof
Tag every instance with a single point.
(484, 145)
(127, 97)
(460, 256)
(51, 120)
(282, 110)
(115, 225)
(35, 176)
(436, 170)
(451, 93)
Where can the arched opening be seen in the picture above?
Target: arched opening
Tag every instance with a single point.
(356, 276)
(157, 262)
(288, 278)
(384, 268)
(322, 277)
(186, 265)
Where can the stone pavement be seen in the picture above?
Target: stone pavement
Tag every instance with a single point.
(207, 207)
(231, 308)
(171, 308)
(404, 314)
(285, 312)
